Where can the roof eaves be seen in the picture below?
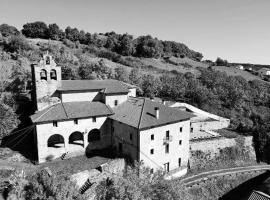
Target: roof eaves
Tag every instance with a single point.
(36, 120)
(163, 124)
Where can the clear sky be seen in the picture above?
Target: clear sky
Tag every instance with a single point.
(236, 30)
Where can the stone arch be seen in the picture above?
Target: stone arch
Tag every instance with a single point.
(76, 138)
(53, 74)
(43, 74)
(94, 135)
(56, 141)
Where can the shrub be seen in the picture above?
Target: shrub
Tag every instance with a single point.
(16, 43)
(69, 43)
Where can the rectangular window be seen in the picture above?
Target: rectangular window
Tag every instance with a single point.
(94, 119)
(55, 124)
(151, 171)
(167, 134)
(167, 148)
(115, 102)
(180, 142)
(179, 162)
(167, 167)
(152, 137)
(75, 121)
(130, 136)
(152, 151)
(181, 129)
(191, 130)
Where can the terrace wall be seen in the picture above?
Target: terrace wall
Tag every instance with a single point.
(212, 148)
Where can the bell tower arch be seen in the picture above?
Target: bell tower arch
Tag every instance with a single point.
(46, 78)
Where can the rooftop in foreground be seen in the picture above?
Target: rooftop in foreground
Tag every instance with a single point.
(71, 110)
(140, 113)
(108, 86)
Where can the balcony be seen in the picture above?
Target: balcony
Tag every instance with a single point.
(166, 140)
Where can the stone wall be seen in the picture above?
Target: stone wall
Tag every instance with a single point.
(211, 148)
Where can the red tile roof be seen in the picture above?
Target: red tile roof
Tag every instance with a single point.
(140, 113)
(108, 86)
(71, 110)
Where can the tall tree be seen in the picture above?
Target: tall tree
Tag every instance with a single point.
(121, 74)
(7, 30)
(55, 33)
(35, 30)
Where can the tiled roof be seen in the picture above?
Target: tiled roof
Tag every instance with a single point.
(140, 113)
(71, 110)
(257, 195)
(109, 86)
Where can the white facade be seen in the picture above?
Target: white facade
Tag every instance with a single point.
(114, 100)
(178, 142)
(132, 92)
(79, 96)
(149, 145)
(65, 129)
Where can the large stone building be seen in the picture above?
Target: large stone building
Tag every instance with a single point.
(75, 115)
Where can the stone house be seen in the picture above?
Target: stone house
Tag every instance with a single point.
(75, 115)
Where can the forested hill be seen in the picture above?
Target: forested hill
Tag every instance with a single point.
(122, 44)
(168, 70)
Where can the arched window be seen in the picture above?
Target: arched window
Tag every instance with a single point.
(94, 135)
(48, 60)
(76, 138)
(56, 141)
(53, 74)
(43, 74)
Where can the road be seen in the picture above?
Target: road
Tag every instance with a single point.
(189, 181)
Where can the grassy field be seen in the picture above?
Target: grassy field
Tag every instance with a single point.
(231, 71)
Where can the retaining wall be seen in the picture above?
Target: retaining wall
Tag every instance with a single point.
(211, 148)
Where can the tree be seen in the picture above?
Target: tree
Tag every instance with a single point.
(220, 62)
(126, 47)
(16, 44)
(137, 183)
(8, 120)
(149, 47)
(121, 74)
(55, 33)
(35, 30)
(72, 34)
(150, 85)
(7, 30)
(44, 186)
(135, 76)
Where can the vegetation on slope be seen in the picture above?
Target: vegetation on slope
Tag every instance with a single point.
(115, 56)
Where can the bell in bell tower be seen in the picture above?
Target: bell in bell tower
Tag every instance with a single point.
(46, 78)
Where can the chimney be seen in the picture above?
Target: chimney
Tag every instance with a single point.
(157, 112)
(163, 102)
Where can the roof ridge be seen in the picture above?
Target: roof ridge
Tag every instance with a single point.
(140, 119)
(64, 109)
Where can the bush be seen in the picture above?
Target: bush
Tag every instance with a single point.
(7, 30)
(17, 43)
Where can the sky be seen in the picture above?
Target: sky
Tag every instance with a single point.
(236, 30)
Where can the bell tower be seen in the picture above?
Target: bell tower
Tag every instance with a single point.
(46, 78)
